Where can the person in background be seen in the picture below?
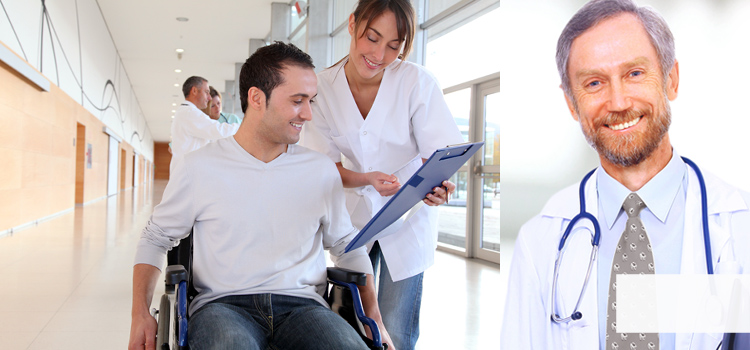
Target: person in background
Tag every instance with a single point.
(191, 127)
(215, 109)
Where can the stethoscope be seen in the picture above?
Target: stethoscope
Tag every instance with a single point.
(583, 214)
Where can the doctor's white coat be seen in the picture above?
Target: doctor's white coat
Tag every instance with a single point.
(527, 323)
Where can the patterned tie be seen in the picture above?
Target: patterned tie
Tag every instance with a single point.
(633, 256)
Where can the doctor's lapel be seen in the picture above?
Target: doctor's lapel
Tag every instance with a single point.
(693, 259)
(693, 248)
(576, 258)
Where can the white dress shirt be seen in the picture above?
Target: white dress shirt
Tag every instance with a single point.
(663, 218)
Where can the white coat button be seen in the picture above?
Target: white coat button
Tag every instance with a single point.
(370, 168)
(364, 133)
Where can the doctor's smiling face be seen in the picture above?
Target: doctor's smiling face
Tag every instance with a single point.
(618, 90)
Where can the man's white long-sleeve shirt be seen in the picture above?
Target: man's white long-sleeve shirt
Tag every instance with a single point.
(193, 129)
(258, 227)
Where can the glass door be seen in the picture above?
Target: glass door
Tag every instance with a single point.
(485, 242)
(469, 224)
(452, 223)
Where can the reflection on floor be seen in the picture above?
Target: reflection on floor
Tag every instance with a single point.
(66, 283)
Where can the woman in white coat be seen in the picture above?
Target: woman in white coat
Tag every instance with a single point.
(385, 116)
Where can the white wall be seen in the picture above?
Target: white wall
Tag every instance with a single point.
(542, 147)
(71, 46)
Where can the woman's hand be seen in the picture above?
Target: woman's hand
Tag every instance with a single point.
(386, 185)
(440, 195)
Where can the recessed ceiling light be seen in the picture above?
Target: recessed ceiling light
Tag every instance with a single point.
(182, 19)
(173, 111)
(174, 104)
(178, 70)
(176, 85)
(172, 118)
(179, 50)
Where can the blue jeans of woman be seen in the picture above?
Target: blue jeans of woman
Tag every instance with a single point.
(399, 302)
(269, 321)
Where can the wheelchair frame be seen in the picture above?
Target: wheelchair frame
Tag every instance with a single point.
(172, 316)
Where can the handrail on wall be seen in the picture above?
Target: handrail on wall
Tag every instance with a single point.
(10, 58)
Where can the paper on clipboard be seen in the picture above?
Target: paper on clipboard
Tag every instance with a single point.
(441, 165)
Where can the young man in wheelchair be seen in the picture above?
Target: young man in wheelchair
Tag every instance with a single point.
(263, 210)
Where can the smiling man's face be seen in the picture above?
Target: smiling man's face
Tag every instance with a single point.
(620, 96)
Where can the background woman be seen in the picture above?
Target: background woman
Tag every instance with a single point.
(214, 109)
(385, 116)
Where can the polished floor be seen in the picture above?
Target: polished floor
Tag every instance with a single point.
(65, 283)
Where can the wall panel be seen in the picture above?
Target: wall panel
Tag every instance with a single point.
(37, 151)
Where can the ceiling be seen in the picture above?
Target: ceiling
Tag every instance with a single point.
(215, 37)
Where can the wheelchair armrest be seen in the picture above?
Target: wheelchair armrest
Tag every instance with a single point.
(347, 276)
(175, 274)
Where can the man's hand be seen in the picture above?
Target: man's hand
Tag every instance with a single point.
(440, 195)
(386, 185)
(143, 325)
(142, 332)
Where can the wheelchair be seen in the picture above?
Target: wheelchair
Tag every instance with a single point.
(172, 319)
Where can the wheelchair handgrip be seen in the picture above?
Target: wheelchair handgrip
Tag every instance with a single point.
(347, 276)
(175, 274)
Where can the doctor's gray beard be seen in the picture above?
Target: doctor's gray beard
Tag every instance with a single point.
(631, 149)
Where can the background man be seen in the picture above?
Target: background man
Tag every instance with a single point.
(618, 71)
(191, 128)
(259, 234)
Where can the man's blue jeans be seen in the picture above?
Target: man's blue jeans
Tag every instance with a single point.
(399, 302)
(269, 321)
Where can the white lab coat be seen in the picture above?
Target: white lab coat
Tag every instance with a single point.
(408, 121)
(193, 129)
(527, 323)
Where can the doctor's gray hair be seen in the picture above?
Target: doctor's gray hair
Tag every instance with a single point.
(192, 82)
(597, 11)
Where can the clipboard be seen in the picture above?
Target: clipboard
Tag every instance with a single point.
(441, 165)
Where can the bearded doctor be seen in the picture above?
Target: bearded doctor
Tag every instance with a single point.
(618, 72)
(385, 116)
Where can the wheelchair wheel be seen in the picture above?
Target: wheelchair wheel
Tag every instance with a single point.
(162, 335)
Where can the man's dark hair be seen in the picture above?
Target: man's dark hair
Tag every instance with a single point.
(190, 83)
(263, 68)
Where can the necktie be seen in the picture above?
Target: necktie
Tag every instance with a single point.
(633, 256)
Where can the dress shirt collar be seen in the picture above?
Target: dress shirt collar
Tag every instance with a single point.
(188, 103)
(658, 194)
